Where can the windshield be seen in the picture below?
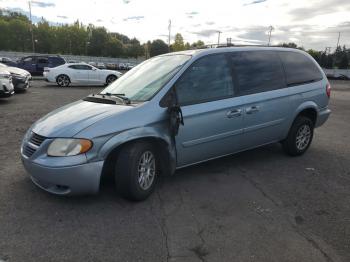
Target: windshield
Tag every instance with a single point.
(143, 81)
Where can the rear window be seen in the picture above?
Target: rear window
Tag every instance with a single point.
(299, 68)
(57, 60)
(257, 71)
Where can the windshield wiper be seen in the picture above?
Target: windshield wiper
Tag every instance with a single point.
(125, 99)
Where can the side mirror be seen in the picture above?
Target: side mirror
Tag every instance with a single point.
(174, 110)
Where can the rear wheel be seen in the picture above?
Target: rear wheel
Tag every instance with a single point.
(63, 80)
(299, 137)
(110, 79)
(136, 171)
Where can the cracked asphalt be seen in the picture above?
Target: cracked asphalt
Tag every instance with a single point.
(259, 205)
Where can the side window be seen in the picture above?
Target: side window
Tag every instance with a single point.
(73, 67)
(207, 79)
(257, 71)
(85, 67)
(43, 60)
(299, 68)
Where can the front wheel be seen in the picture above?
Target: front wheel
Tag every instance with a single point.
(299, 137)
(136, 171)
(63, 80)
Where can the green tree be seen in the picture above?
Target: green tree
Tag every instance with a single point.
(158, 47)
(178, 43)
(197, 45)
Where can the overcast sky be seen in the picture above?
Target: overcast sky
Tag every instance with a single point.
(309, 23)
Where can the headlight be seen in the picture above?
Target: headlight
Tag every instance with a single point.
(68, 147)
(4, 76)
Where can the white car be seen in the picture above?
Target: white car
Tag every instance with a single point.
(6, 86)
(81, 74)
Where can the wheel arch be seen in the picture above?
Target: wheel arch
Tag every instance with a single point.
(308, 109)
(164, 149)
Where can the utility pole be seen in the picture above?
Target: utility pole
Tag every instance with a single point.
(31, 25)
(338, 39)
(169, 29)
(270, 31)
(219, 32)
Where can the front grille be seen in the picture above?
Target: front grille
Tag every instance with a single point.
(28, 151)
(36, 139)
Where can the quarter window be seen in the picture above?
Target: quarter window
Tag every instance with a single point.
(299, 68)
(207, 79)
(257, 71)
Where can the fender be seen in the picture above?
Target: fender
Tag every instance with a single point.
(156, 132)
(301, 107)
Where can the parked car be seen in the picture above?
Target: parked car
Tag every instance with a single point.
(36, 64)
(7, 61)
(176, 110)
(80, 73)
(101, 65)
(6, 86)
(20, 77)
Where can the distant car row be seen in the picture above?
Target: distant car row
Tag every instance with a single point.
(36, 64)
(13, 79)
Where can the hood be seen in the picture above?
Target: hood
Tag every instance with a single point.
(111, 71)
(16, 70)
(73, 118)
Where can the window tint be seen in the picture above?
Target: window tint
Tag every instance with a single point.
(43, 60)
(299, 68)
(56, 60)
(207, 79)
(81, 67)
(257, 71)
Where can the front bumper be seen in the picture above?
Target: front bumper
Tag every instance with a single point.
(6, 88)
(69, 180)
(20, 83)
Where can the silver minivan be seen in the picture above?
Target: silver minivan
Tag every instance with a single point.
(176, 110)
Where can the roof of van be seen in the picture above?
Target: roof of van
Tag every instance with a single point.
(230, 49)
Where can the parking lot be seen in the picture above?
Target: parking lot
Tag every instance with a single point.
(260, 205)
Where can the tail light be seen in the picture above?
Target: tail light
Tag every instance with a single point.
(328, 90)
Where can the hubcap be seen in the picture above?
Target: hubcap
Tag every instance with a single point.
(63, 81)
(146, 170)
(303, 137)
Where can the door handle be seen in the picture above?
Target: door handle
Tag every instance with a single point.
(251, 110)
(234, 113)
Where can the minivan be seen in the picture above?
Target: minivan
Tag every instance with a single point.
(176, 110)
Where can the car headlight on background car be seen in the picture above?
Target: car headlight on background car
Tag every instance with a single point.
(4, 76)
(68, 147)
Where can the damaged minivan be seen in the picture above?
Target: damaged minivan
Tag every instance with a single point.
(176, 110)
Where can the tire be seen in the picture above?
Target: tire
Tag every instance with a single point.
(110, 79)
(63, 80)
(128, 171)
(299, 137)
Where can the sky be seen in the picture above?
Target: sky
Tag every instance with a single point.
(309, 23)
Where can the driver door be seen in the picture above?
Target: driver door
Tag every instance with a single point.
(213, 116)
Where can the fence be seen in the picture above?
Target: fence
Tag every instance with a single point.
(18, 55)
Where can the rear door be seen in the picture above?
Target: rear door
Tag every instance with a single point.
(41, 63)
(213, 120)
(261, 85)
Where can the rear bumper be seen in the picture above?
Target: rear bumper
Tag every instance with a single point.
(69, 180)
(322, 116)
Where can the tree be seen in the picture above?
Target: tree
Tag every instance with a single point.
(158, 47)
(178, 44)
(197, 45)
